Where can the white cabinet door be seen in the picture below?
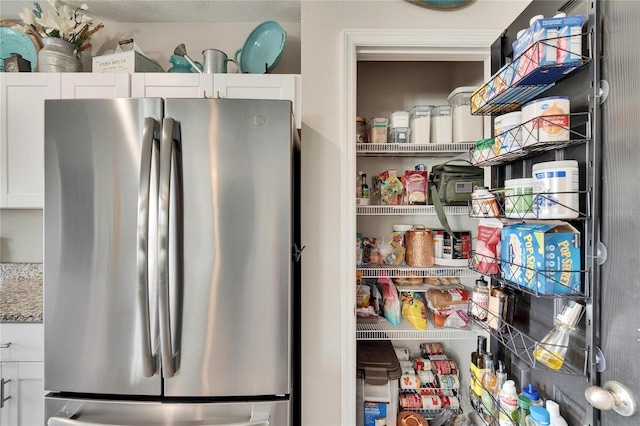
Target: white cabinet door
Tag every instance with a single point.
(94, 85)
(171, 85)
(24, 387)
(23, 341)
(260, 86)
(22, 98)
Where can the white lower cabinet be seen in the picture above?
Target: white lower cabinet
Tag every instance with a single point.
(22, 374)
(23, 394)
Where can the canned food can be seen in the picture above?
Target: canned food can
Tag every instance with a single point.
(448, 381)
(431, 349)
(450, 401)
(445, 366)
(427, 378)
(431, 402)
(410, 400)
(422, 364)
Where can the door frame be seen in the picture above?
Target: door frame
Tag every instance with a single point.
(396, 45)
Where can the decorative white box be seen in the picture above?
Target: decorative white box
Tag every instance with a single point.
(124, 61)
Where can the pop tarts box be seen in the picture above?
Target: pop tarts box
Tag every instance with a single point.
(542, 257)
(549, 29)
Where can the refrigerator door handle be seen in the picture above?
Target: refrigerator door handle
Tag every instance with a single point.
(149, 360)
(164, 186)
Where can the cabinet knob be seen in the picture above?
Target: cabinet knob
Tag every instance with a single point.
(611, 395)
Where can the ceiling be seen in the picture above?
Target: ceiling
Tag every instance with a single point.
(283, 11)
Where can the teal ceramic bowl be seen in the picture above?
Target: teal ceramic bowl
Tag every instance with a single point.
(262, 49)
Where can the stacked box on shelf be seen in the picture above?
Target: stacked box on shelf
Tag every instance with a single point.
(544, 258)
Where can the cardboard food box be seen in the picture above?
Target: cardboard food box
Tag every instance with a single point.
(543, 257)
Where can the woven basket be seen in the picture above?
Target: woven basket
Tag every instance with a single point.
(419, 242)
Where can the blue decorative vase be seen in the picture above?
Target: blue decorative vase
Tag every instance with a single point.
(180, 64)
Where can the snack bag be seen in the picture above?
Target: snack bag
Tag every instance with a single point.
(488, 246)
(391, 301)
(412, 308)
(416, 186)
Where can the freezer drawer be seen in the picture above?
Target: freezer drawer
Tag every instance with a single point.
(84, 412)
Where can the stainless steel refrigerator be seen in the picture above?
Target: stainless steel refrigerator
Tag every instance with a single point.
(171, 256)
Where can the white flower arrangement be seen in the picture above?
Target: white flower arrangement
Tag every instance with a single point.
(69, 23)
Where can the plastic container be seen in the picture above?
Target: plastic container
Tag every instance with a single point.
(466, 127)
(484, 150)
(378, 371)
(555, 187)
(507, 132)
(555, 419)
(533, 395)
(546, 120)
(508, 402)
(378, 129)
(538, 416)
(399, 119)
(441, 124)
(484, 203)
(399, 135)
(518, 198)
(420, 124)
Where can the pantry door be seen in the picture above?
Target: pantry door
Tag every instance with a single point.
(620, 295)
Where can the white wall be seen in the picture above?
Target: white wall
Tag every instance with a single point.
(322, 150)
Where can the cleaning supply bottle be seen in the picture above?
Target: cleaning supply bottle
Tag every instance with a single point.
(538, 416)
(508, 402)
(533, 395)
(555, 419)
(519, 416)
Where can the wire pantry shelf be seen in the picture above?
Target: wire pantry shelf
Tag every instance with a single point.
(378, 328)
(532, 206)
(387, 210)
(524, 79)
(369, 270)
(524, 347)
(411, 149)
(540, 134)
(545, 283)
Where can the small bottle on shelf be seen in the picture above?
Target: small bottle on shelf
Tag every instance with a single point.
(538, 416)
(364, 186)
(477, 367)
(555, 419)
(533, 395)
(489, 391)
(508, 403)
(480, 299)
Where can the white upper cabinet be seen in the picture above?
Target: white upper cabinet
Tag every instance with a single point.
(260, 86)
(22, 97)
(89, 85)
(171, 85)
(22, 135)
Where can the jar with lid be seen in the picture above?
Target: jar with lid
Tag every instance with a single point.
(480, 299)
(420, 124)
(466, 127)
(441, 124)
(484, 203)
(361, 130)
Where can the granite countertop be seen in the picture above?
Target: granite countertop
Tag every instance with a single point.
(21, 292)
